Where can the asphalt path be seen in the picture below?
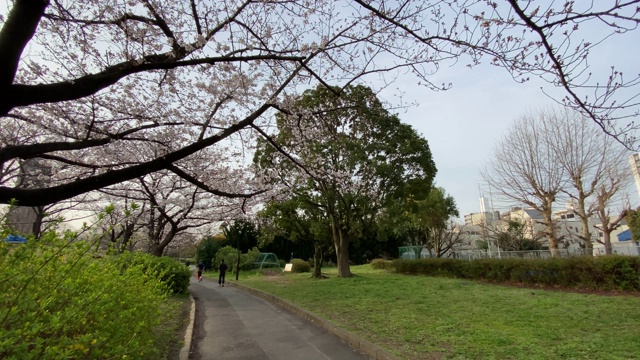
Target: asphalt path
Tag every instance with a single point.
(232, 324)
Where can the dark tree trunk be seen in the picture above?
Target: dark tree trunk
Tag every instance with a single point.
(607, 242)
(126, 237)
(341, 243)
(37, 224)
(585, 235)
(549, 230)
(317, 261)
(155, 249)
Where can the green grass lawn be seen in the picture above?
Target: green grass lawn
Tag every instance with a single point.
(418, 317)
(171, 331)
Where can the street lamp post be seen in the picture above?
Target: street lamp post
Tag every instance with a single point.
(237, 235)
(238, 262)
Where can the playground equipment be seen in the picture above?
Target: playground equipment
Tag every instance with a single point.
(410, 252)
(267, 260)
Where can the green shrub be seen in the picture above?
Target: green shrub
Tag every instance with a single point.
(300, 266)
(381, 264)
(59, 301)
(282, 263)
(229, 255)
(612, 272)
(248, 260)
(172, 273)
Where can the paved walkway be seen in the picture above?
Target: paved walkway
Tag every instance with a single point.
(232, 324)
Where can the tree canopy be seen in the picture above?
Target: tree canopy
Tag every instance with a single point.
(347, 156)
(108, 91)
(424, 218)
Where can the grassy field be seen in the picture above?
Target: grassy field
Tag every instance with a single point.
(417, 317)
(174, 327)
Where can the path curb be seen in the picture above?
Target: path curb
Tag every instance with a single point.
(188, 335)
(373, 351)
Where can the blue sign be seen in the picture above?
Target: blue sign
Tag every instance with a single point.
(15, 239)
(625, 235)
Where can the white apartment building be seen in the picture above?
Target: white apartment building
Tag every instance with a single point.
(634, 161)
(481, 218)
(567, 226)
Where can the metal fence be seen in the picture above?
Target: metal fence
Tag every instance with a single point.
(620, 250)
(542, 254)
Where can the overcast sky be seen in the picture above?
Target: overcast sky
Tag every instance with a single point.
(464, 123)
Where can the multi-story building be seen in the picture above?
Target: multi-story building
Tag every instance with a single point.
(481, 218)
(634, 161)
(567, 226)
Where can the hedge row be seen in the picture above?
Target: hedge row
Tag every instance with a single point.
(172, 273)
(612, 272)
(382, 264)
(58, 300)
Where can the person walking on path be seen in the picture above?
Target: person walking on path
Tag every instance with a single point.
(223, 271)
(200, 270)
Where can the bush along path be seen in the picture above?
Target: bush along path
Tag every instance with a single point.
(59, 299)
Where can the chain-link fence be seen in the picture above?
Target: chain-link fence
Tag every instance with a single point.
(542, 254)
(619, 250)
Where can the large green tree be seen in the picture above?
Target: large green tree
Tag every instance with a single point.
(425, 221)
(344, 153)
(207, 249)
(633, 221)
(241, 234)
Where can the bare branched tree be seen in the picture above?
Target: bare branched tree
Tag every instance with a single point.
(595, 166)
(609, 220)
(512, 235)
(443, 241)
(524, 169)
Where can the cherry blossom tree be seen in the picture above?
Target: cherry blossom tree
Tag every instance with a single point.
(85, 84)
(170, 203)
(346, 156)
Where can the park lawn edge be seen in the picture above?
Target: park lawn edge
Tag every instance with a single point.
(505, 334)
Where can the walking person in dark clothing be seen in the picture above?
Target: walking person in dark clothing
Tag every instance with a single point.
(200, 270)
(223, 271)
